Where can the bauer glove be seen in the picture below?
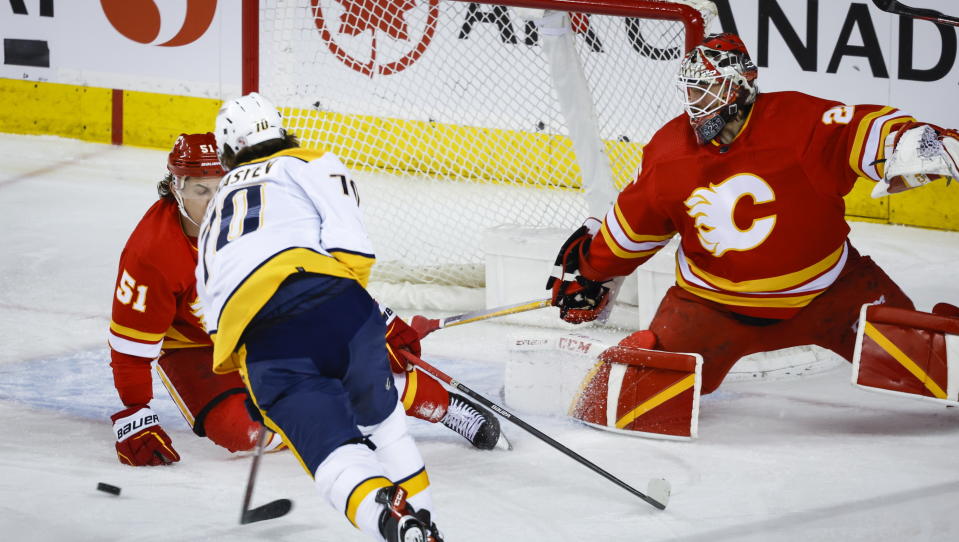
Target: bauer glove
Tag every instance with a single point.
(140, 439)
(399, 336)
(579, 299)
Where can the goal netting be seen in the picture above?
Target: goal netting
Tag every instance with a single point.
(457, 117)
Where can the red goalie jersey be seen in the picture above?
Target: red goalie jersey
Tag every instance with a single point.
(761, 220)
(155, 304)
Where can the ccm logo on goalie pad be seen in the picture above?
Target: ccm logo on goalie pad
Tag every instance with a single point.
(125, 427)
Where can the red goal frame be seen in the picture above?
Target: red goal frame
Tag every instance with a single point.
(690, 17)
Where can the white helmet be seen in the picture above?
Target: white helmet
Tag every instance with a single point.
(246, 121)
(717, 80)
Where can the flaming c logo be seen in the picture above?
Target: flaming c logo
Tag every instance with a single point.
(389, 34)
(140, 20)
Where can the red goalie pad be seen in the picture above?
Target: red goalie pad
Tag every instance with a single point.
(643, 393)
(908, 353)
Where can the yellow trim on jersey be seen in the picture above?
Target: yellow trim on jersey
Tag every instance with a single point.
(134, 334)
(179, 345)
(618, 251)
(307, 155)
(250, 296)
(416, 484)
(633, 236)
(904, 360)
(187, 415)
(359, 264)
(886, 129)
(772, 284)
(172, 333)
(862, 135)
(410, 392)
(672, 391)
(360, 492)
(798, 301)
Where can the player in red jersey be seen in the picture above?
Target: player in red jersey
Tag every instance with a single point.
(156, 316)
(753, 185)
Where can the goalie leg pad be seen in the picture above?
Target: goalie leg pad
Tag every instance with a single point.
(642, 392)
(908, 353)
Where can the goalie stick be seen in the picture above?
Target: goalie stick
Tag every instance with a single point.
(898, 8)
(424, 326)
(658, 488)
(270, 510)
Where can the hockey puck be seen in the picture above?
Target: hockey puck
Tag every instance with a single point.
(107, 488)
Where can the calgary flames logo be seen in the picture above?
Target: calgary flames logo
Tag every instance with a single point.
(713, 209)
(142, 20)
(376, 37)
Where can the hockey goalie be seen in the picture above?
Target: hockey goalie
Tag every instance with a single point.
(753, 184)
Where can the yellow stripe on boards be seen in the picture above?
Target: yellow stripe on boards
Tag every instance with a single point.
(658, 399)
(904, 360)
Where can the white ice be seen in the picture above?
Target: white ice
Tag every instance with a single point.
(806, 459)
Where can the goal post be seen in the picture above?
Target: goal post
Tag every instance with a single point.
(460, 117)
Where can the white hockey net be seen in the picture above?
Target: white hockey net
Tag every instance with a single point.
(449, 113)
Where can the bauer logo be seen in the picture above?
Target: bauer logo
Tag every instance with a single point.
(376, 37)
(149, 22)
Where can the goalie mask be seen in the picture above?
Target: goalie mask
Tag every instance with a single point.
(193, 157)
(246, 121)
(717, 80)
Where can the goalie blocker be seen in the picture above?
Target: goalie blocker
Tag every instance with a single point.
(642, 392)
(909, 353)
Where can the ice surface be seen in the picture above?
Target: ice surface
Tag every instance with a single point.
(811, 459)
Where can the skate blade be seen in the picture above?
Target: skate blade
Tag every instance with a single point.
(503, 443)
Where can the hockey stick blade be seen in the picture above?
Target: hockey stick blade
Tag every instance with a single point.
(931, 15)
(659, 490)
(270, 510)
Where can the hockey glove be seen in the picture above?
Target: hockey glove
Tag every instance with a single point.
(578, 298)
(399, 336)
(140, 439)
(917, 154)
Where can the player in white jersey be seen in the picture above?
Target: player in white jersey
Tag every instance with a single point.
(284, 258)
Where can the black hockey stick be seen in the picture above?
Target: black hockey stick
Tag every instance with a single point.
(898, 8)
(270, 510)
(659, 488)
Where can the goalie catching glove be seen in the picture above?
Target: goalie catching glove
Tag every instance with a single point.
(917, 154)
(399, 336)
(578, 298)
(140, 439)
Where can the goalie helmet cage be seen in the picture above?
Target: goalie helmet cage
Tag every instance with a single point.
(460, 116)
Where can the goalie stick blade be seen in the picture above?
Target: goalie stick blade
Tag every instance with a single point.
(659, 490)
(270, 510)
